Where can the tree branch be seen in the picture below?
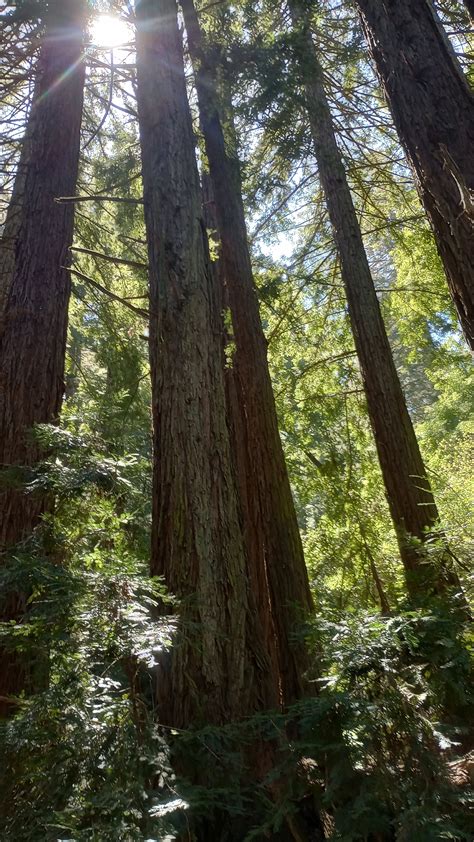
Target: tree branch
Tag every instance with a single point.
(138, 310)
(119, 199)
(135, 264)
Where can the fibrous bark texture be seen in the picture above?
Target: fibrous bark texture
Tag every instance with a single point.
(218, 667)
(12, 225)
(409, 496)
(35, 285)
(433, 110)
(271, 533)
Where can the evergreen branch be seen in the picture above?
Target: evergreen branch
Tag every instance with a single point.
(138, 310)
(134, 264)
(107, 106)
(118, 199)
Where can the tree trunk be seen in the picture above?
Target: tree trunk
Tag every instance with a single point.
(257, 574)
(432, 107)
(270, 525)
(469, 4)
(13, 221)
(217, 669)
(409, 496)
(35, 285)
(72, 379)
(383, 599)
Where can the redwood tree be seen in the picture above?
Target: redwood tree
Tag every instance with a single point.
(408, 491)
(13, 220)
(218, 668)
(270, 525)
(433, 110)
(34, 280)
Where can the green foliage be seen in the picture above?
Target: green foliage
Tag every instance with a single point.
(84, 758)
(81, 758)
(381, 671)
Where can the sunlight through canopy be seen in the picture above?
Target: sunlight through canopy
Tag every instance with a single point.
(109, 31)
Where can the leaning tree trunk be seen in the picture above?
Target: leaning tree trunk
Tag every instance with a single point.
(218, 669)
(34, 280)
(433, 110)
(271, 529)
(409, 496)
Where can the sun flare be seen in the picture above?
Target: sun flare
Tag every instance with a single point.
(107, 31)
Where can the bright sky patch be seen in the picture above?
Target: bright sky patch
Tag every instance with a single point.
(107, 31)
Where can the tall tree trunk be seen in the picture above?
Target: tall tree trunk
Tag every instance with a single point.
(35, 284)
(433, 110)
(257, 574)
(13, 221)
(218, 668)
(271, 529)
(409, 496)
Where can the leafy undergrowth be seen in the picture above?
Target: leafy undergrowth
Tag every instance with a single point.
(373, 751)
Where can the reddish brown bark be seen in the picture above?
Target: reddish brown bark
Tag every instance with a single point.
(35, 286)
(13, 220)
(270, 525)
(433, 110)
(218, 668)
(411, 502)
(257, 574)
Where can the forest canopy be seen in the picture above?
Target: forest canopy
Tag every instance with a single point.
(236, 335)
